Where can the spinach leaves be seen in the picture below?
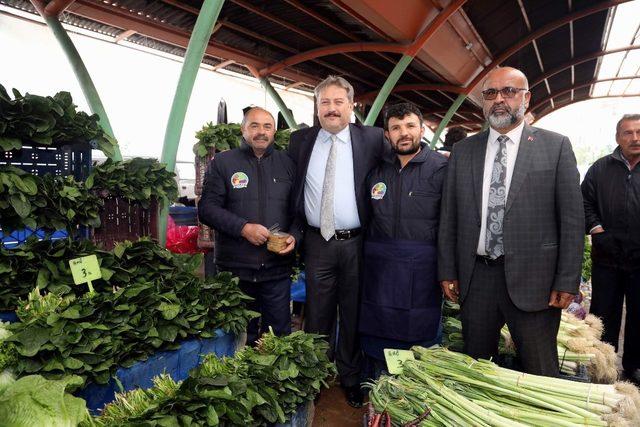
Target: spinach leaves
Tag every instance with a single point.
(148, 300)
(48, 120)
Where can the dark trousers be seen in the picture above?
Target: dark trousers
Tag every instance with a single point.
(333, 282)
(610, 286)
(485, 310)
(271, 300)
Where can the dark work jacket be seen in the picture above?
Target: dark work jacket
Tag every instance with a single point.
(239, 188)
(410, 206)
(401, 297)
(611, 194)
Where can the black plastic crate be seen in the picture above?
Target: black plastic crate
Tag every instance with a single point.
(70, 159)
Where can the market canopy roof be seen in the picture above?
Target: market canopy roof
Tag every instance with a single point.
(558, 44)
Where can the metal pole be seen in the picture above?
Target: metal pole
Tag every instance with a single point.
(387, 88)
(447, 118)
(193, 57)
(288, 116)
(358, 115)
(82, 74)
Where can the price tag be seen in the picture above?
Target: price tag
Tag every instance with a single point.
(85, 270)
(395, 359)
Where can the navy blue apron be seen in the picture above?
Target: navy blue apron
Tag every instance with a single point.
(401, 297)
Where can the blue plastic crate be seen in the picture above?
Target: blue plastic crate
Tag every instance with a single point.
(184, 215)
(18, 237)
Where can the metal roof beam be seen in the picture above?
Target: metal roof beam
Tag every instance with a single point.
(252, 8)
(539, 33)
(575, 101)
(123, 35)
(333, 50)
(56, 7)
(560, 68)
(577, 86)
(117, 17)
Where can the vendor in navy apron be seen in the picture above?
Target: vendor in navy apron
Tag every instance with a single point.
(401, 298)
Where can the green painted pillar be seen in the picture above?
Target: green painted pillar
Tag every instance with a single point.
(387, 88)
(82, 74)
(447, 118)
(192, 60)
(288, 116)
(358, 115)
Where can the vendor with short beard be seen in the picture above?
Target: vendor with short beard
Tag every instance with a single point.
(401, 300)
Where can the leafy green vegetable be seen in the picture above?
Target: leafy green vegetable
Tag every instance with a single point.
(259, 386)
(224, 137)
(586, 259)
(220, 137)
(36, 401)
(137, 179)
(50, 202)
(49, 121)
(151, 300)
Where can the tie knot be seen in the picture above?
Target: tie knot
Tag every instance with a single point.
(503, 138)
(334, 138)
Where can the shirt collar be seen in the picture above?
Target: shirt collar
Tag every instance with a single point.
(514, 134)
(344, 135)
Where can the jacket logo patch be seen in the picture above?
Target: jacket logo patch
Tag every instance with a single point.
(378, 190)
(239, 180)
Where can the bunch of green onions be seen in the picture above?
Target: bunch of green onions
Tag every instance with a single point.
(455, 389)
(578, 344)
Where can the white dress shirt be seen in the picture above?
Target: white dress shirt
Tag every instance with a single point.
(345, 209)
(489, 157)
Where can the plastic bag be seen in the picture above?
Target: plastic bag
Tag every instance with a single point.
(182, 239)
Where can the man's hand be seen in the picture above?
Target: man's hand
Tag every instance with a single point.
(291, 243)
(597, 230)
(256, 234)
(560, 299)
(450, 289)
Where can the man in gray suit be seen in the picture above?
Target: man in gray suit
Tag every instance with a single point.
(510, 243)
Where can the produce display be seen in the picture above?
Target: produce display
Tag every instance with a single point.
(50, 120)
(224, 137)
(36, 401)
(49, 202)
(138, 180)
(444, 388)
(147, 300)
(578, 344)
(257, 387)
(220, 137)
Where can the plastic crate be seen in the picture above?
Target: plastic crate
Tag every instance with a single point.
(71, 159)
(201, 169)
(184, 215)
(122, 219)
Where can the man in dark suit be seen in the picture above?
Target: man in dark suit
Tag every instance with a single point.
(330, 202)
(510, 243)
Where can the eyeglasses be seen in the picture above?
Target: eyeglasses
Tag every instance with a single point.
(506, 92)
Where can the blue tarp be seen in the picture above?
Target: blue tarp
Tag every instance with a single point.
(302, 418)
(176, 363)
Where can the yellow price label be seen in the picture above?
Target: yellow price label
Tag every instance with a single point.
(85, 269)
(395, 359)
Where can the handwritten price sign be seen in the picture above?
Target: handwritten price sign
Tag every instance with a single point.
(395, 359)
(85, 270)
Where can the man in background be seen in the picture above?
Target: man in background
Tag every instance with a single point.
(611, 191)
